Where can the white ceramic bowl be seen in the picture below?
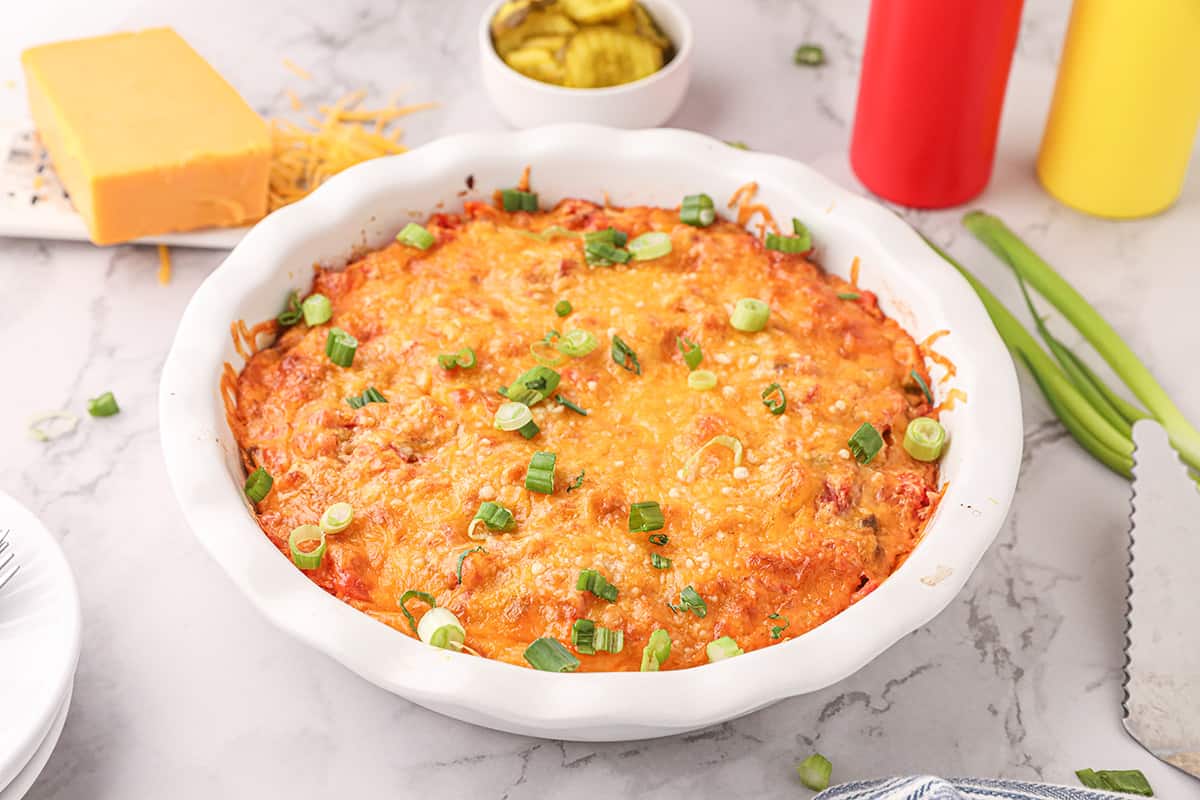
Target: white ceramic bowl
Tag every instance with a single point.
(365, 207)
(526, 103)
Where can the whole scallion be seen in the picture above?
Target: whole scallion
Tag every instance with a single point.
(993, 233)
(1088, 426)
(1095, 415)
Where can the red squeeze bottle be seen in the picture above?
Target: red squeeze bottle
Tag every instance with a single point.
(929, 99)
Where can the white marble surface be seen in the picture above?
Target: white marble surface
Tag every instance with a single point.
(184, 691)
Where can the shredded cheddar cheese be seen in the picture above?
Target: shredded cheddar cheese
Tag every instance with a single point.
(743, 201)
(297, 70)
(302, 158)
(164, 264)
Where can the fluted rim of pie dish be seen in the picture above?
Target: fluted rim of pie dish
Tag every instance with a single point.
(365, 205)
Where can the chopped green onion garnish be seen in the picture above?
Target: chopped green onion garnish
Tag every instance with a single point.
(464, 358)
(424, 596)
(750, 315)
(801, 230)
(723, 440)
(340, 347)
(575, 484)
(540, 475)
(658, 538)
(701, 380)
(1127, 781)
(258, 484)
(777, 630)
(690, 600)
(815, 771)
(848, 295)
(577, 343)
(659, 562)
(609, 235)
(924, 387)
(692, 354)
(307, 557)
(774, 399)
(549, 655)
(517, 200)
(787, 244)
(723, 648)
(440, 628)
(800, 243)
(495, 516)
(417, 236)
(645, 517)
(924, 439)
(656, 651)
(291, 313)
(534, 386)
(337, 518)
(529, 429)
(809, 55)
(562, 401)
(737, 145)
(512, 416)
(603, 254)
(592, 581)
(583, 633)
(103, 406)
(865, 443)
(650, 246)
(463, 557)
(317, 309)
(370, 395)
(697, 210)
(553, 359)
(588, 638)
(624, 356)
(562, 308)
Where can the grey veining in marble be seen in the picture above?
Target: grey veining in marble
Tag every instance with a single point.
(185, 691)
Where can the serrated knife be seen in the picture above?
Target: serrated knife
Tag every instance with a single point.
(1162, 669)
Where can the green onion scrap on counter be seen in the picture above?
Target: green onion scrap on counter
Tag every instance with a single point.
(809, 55)
(1126, 781)
(815, 772)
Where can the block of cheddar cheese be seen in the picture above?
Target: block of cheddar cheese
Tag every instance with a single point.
(146, 136)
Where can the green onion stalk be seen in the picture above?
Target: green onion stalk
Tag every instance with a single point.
(1095, 433)
(1095, 415)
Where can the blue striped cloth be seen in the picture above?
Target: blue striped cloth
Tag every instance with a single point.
(927, 787)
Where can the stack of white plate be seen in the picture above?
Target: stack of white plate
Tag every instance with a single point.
(39, 648)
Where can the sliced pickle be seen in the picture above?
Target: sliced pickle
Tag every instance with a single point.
(647, 28)
(588, 12)
(604, 56)
(537, 64)
(535, 23)
(551, 44)
(510, 15)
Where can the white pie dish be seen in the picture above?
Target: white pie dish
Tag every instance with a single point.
(367, 205)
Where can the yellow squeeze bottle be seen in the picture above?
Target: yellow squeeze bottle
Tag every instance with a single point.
(1126, 107)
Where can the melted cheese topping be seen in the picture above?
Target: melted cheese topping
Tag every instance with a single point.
(802, 532)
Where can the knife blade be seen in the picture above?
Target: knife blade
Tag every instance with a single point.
(1162, 669)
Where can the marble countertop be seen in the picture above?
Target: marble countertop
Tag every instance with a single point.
(185, 691)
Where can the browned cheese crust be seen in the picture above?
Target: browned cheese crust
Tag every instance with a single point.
(802, 532)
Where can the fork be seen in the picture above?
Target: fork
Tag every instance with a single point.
(7, 568)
